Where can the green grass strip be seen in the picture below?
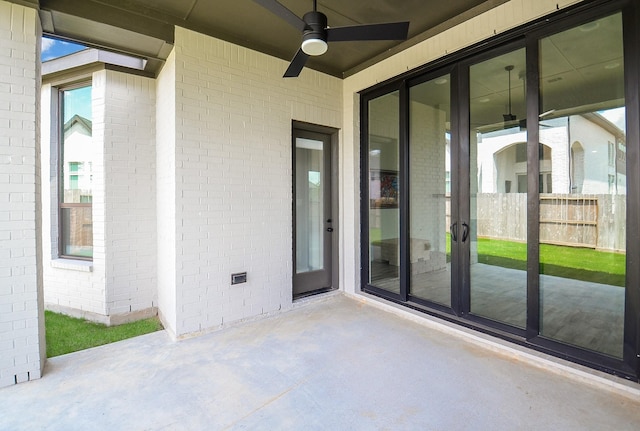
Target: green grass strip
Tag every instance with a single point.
(568, 262)
(68, 334)
(576, 263)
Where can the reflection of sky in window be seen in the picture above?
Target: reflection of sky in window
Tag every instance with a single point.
(77, 101)
(314, 178)
(616, 116)
(53, 48)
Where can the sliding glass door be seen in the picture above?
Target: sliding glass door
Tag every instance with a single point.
(496, 192)
(497, 231)
(430, 191)
(583, 195)
(384, 192)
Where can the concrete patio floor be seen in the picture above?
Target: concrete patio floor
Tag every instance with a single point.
(334, 363)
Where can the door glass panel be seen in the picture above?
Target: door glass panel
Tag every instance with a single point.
(310, 186)
(384, 192)
(430, 193)
(583, 197)
(498, 187)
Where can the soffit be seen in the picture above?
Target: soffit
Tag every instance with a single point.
(145, 27)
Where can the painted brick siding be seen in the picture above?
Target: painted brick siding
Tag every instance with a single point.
(122, 276)
(233, 158)
(71, 286)
(22, 344)
(130, 191)
(166, 192)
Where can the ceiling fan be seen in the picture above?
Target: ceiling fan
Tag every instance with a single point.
(316, 34)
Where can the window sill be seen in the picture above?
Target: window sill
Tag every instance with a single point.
(72, 264)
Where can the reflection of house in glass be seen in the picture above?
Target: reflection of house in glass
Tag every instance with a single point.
(578, 154)
(78, 155)
(582, 182)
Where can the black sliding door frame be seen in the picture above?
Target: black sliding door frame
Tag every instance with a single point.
(629, 365)
(465, 194)
(460, 123)
(631, 32)
(365, 257)
(533, 191)
(437, 308)
(405, 271)
(458, 66)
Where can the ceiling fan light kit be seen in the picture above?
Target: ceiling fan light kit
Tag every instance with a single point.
(316, 33)
(314, 46)
(314, 38)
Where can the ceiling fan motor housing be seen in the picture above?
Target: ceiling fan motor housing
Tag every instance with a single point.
(314, 38)
(316, 34)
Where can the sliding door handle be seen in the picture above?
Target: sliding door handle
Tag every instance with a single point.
(465, 232)
(453, 229)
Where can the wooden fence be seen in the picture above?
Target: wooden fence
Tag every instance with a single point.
(594, 221)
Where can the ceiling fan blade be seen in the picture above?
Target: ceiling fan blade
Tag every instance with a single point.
(296, 65)
(387, 31)
(284, 13)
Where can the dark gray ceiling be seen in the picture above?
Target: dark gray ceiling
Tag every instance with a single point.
(145, 27)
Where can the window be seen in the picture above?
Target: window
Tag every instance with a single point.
(544, 152)
(447, 183)
(612, 184)
(522, 183)
(76, 189)
(611, 154)
(521, 152)
(544, 185)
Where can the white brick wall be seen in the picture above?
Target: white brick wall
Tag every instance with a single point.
(75, 287)
(22, 344)
(166, 192)
(121, 278)
(130, 191)
(232, 151)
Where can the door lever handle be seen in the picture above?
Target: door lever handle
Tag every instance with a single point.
(465, 232)
(454, 231)
(329, 229)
